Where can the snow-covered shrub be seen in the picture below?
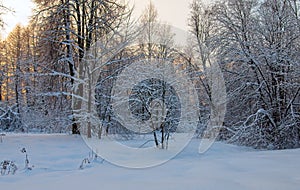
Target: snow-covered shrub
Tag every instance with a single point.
(37, 119)
(10, 119)
(8, 167)
(258, 50)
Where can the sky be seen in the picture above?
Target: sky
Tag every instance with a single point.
(21, 15)
(173, 12)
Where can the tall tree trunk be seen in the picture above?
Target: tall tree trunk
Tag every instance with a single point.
(69, 56)
(17, 87)
(0, 91)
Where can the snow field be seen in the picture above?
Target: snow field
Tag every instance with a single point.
(56, 160)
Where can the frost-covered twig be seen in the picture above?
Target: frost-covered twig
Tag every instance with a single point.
(88, 160)
(1, 137)
(27, 167)
(84, 162)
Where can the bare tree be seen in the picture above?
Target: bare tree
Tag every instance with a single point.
(69, 28)
(258, 45)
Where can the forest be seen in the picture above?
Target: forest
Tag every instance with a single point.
(253, 45)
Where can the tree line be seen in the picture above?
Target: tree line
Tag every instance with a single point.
(254, 42)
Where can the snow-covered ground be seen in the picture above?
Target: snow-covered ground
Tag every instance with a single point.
(56, 160)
